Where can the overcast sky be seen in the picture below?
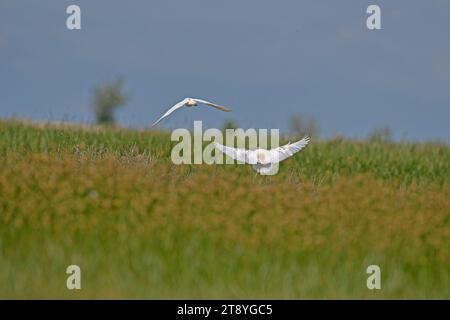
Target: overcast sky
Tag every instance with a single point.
(267, 60)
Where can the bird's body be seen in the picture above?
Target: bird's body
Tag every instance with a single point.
(263, 163)
(189, 102)
(263, 160)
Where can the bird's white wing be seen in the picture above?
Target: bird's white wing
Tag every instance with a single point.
(283, 152)
(172, 109)
(236, 154)
(213, 105)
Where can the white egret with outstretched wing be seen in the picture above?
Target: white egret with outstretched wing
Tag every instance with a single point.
(190, 102)
(262, 160)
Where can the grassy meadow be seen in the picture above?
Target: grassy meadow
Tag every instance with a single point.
(111, 201)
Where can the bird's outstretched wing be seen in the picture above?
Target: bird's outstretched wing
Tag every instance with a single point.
(236, 154)
(284, 152)
(213, 105)
(172, 109)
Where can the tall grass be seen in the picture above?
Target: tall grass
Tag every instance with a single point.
(110, 201)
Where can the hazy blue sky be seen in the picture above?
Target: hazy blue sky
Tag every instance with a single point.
(265, 59)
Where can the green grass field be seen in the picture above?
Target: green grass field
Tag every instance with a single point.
(111, 201)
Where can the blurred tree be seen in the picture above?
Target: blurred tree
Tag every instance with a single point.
(229, 124)
(381, 134)
(106, 99)
(303, 126)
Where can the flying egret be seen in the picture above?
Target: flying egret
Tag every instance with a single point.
(262, 160)
(190, 102)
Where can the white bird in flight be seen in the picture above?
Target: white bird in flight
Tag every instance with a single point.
(263, 160)
(190, 102)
